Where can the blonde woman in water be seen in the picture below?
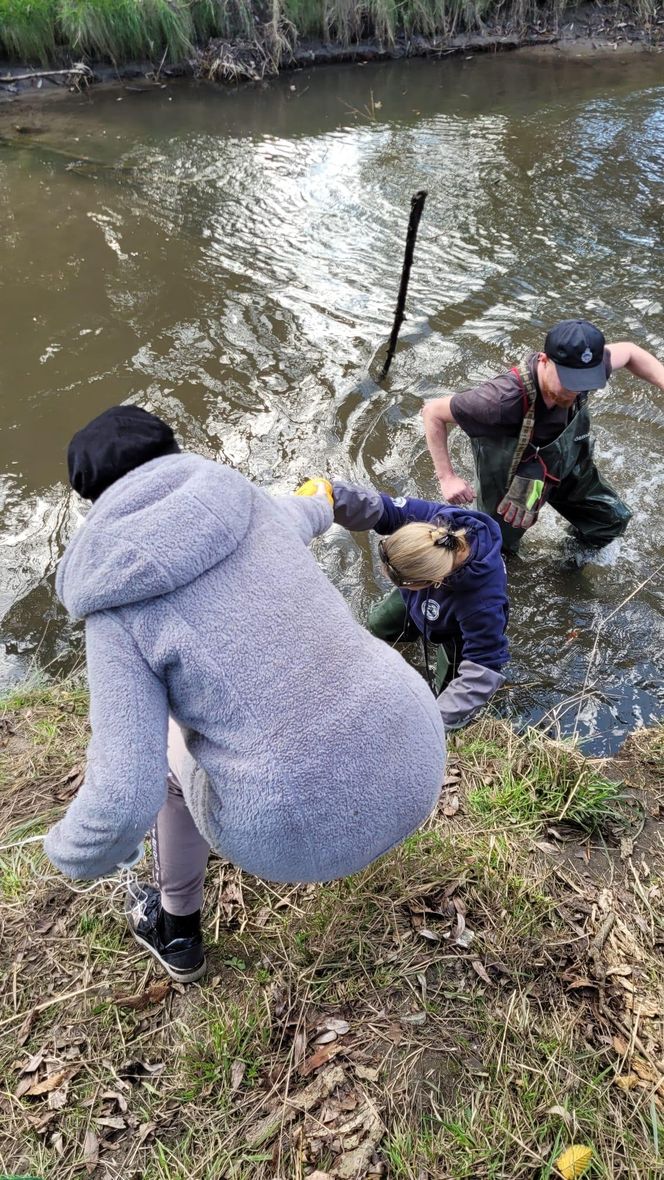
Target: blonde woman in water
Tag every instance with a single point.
(450, 590)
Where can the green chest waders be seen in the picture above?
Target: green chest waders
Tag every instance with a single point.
(589, 503)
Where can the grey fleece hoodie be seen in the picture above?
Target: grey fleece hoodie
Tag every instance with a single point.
(318, 747)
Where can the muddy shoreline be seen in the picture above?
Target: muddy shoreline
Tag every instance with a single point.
(585, 32)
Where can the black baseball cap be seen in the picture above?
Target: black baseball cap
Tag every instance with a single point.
(113, 444)
(576, 348)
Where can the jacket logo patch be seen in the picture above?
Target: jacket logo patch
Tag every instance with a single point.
(580, 437)
(431, 611)
(399, 502)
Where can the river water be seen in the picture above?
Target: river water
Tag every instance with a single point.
(230, 259)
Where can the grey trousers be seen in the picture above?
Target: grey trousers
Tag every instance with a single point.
(179, 851)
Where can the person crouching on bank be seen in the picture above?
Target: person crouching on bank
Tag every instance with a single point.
(450, 590)
(202, 601)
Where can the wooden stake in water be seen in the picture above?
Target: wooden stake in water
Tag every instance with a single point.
(416, 207)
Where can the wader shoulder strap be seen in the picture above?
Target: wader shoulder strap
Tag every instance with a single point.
(529, 395)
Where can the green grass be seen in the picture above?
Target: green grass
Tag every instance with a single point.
(123, 29)
(544, 781)
(28, 29)
(44, 31)
(232, 1035)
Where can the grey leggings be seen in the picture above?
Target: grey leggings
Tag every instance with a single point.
(180, 852)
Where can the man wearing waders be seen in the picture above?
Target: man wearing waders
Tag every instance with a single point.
(530, 434)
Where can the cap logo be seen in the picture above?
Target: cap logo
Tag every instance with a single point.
(586, 356)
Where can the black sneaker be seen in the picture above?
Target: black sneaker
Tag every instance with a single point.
(182, 958)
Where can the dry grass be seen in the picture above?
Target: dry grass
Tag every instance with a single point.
(486, 995)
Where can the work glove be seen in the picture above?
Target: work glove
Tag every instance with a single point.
(316, 487)
(526, 495)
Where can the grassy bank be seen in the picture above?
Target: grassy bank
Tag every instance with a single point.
(52, 31)
(486, 995)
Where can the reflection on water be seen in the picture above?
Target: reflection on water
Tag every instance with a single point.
(231, 260)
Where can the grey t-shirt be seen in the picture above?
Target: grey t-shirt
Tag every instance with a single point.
(495, 408)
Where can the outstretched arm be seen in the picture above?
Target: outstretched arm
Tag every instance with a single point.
(358, 509)
(625, 355)
(438, 421)
(125, 779)
(310, 512)
(484, 651)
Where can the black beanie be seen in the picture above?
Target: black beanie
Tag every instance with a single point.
(113, 444)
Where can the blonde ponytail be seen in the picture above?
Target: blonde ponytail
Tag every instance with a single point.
(423, 553)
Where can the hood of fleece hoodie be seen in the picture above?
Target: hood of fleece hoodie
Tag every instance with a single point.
(153, 531)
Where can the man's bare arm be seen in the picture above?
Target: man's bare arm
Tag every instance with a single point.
(438, 421)
(625, 355)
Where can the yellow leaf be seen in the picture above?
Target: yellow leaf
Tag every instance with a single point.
(574, 1161)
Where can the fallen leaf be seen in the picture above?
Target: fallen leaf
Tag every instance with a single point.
(26, 1027)
(326, 1038)
(545, 846)
(230, 900)
(480, 969)
(573, 1162)
(626, 847)
(581, 981)
(238, 1070)
(32, 1064)
(52, 1082)
(366, 1073)
(144, 1131)
(561, 1113)
(465, 938)
(40, 1123)
(430, 935)
(449, 803)
(645, 1071)
(57, 1099)
(341, 1027)
(640, 1004)
(57, 1143)
(415, 1018)
(90, 1151)
(320, 1057)
(115, 1096)
(299, 1047)
(26, 1083)
(114, 1122)
(154, 993)
(69, 785)
(628, 1081)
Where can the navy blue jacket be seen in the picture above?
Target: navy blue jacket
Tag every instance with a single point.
(471, 607)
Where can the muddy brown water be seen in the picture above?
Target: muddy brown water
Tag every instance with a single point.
(230, 259)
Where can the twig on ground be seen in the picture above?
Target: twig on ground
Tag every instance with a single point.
(82, 71)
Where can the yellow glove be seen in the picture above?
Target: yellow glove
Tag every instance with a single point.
(316, 487)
